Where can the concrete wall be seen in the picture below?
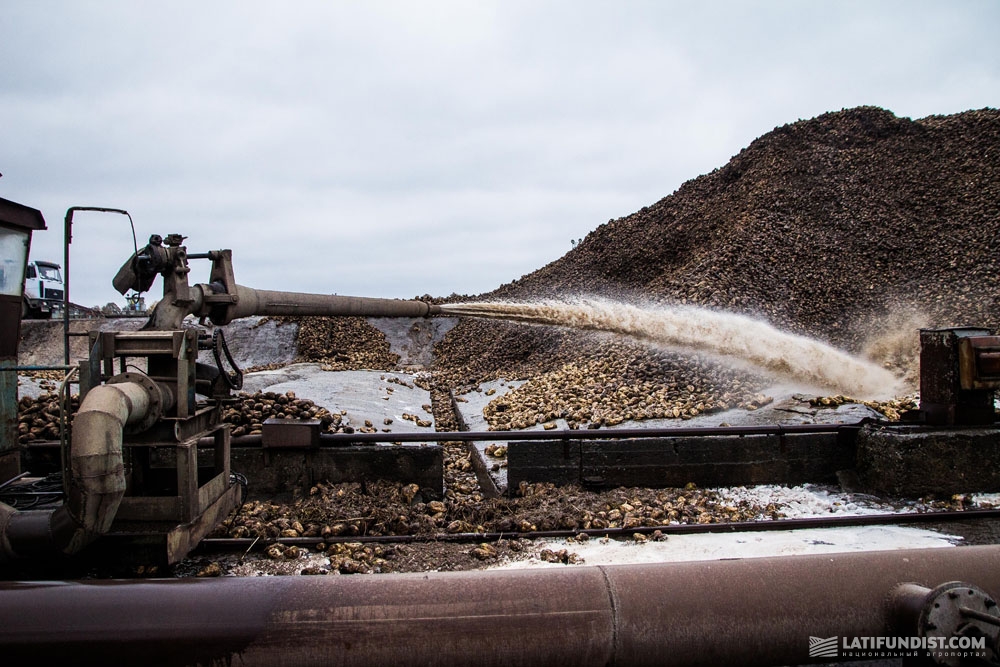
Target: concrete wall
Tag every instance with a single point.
(913, 461)
(707, 461)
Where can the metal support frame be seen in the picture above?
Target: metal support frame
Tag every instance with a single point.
(179, 495)
(170, 356)
(67, 240)
(171, 501)
(959, 372)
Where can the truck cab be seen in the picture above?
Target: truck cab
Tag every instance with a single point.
(43, 290)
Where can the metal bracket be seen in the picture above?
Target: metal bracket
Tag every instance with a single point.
(979, 362)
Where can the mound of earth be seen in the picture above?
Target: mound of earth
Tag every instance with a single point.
(856, 227)
(817, 226)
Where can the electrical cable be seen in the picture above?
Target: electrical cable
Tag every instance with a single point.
(37, 493)
(241, 479)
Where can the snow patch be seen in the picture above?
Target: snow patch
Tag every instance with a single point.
(717, 546)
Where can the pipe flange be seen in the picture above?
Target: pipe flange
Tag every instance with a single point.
(958, 609)
(157, 402)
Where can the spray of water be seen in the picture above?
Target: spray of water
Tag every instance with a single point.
(736, 339)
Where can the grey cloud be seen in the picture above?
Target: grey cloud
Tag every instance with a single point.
(395, 148)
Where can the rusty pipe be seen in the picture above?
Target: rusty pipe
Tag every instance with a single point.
(223, 308)
(97, 477)
(757, 611)
(266, 302)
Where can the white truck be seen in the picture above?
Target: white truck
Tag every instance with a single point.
(43, 290)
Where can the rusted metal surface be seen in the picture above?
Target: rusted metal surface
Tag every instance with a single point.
(280, 469)
(952, 609)
(943, 400)
(17, 222)
(290, 433)
(176, 490)
(660, 462)
(979, 363)
(578, 434)
(10, 331)
(763, 611)
(171, 359)
(190, 505)
(21, 216)
(344, 439)
(148, 543)
(651, 457)
(749, 612)
(246, 301)
(8, 416)
(265, 302)
(988, 363)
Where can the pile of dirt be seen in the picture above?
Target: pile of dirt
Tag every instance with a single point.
(817, 226)
(855, 228)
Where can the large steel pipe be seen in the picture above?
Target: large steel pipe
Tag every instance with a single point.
(267, 302)
(168, 315)
(753, 612)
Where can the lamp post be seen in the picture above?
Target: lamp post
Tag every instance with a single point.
(16, 224)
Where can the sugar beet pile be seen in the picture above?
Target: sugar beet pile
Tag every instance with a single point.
(816, 226)
(856, 228)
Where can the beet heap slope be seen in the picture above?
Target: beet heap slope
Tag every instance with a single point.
(828, 227)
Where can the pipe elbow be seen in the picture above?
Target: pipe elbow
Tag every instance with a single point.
(97, 480)
(96, 462)
(7, 551)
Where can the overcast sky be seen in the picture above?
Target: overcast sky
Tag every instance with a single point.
(401, 148)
